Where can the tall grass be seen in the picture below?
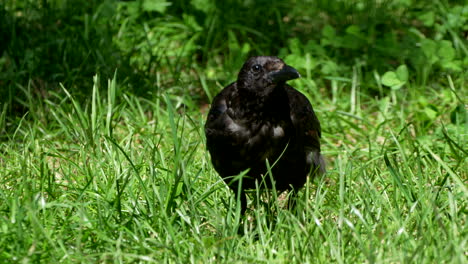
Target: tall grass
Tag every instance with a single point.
(112, 167)
(126, 179)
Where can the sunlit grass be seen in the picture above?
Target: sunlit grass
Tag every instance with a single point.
(127, 179)
(113, 168)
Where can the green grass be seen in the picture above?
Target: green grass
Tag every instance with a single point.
(128, 180)
(113, 168)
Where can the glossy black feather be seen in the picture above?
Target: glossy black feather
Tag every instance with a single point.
(260, 117)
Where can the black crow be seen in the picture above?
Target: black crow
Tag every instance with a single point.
(257, 118)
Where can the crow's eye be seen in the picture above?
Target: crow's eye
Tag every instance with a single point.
(256, 67)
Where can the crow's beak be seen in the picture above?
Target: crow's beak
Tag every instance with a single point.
(285, 74)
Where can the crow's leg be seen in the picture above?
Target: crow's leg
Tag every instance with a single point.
(241, 199)
(243, 202)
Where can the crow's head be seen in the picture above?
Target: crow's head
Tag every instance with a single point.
(262, 74)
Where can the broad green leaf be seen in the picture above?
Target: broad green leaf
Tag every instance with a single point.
(445, 50)
(353, 30)
(329, 36)
(431, 113)
(452, 65)
(328, 32)
(155, 5)
(429, 48)
(329, 68)
(295, 59)
(402, 73)
(427, 18)
(423, 101)
(295, 46)
(245, 48)
(392, 79)
(203, 5)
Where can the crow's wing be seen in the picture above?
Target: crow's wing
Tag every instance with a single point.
(306, 125)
